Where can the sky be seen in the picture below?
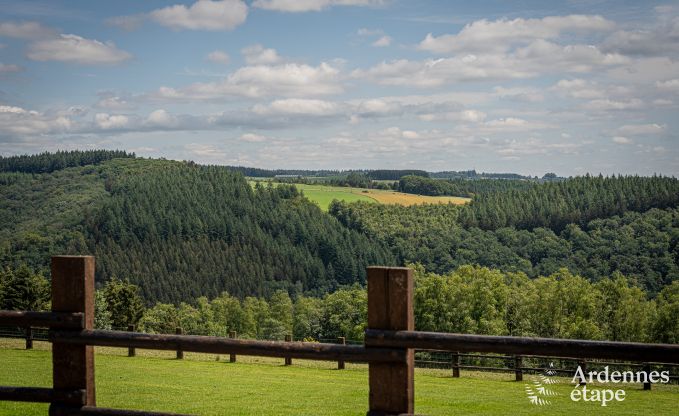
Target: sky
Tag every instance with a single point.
(530, 87)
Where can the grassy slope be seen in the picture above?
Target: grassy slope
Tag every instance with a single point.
(263, 386)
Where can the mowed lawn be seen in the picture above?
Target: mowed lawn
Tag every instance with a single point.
(324, 195)
(201, 385)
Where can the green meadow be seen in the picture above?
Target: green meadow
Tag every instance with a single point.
(200, 384)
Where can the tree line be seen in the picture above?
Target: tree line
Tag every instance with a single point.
(471, 299)
(47, 162)
(458, 187)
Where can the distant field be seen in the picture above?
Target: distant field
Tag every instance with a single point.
(323, 196)
(259, 386)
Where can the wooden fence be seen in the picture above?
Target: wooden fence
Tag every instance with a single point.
(389, 345)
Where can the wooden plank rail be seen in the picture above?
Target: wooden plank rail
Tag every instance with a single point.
(389, 346)
(61, 320)
(220, 345)
(570, 348)
(40, 394)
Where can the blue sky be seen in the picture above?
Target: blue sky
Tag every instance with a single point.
(529, 86)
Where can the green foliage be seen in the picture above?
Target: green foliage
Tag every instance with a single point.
(123, 302)
(23, 290)
(459, 187)
(666, 328)
(344, 313)
(102, 316)
(643, 246)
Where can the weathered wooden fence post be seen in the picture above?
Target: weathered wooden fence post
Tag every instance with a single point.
(131, 351)
(340, 363)
(232, 357)
(456, 364)
(647, 370)
(518, 370)
(180, 353)
(288, 360)
(29, 338)
(73, 365)
(390, 306)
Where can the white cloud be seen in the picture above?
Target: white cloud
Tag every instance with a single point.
(73, 48)
(25, 30)
(642, 129)
(203, 15)
(258, 55)
(108, 121)
(18, 123)
(112, 102)
(253, 138)
(299, 6)
(613, 105)
(161, 118)
(261, 80)
(621, 140)
(219, 57)
(466, 116)
(297, 106)
(9, 68)
(382, 42)
(671, 85)
(483, 36)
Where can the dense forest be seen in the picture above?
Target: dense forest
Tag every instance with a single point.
(459, 187)
(180, 230)
(49, 162)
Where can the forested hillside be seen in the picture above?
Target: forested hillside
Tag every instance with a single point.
(592, 226)
(179, 230)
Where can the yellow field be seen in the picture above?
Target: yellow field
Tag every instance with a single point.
(324, 195)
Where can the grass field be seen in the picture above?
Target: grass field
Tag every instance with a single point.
(261, 386)
(323, 196)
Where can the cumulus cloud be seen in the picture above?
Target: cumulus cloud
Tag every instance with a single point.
(483, 36)
(382, 42)
(219, 57)
(17, 122)
(299, 6)
(259, 81)
(203, 15)
(112, 102)
(298, 106)
(111, 121)
(25, 30)
(253, 138)
(621, 140)
(259, 55)
(73, 48)
(671, 85)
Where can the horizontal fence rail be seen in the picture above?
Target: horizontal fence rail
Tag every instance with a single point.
(219, 345)
(41, 394)
(62, 320)
(634, 351)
